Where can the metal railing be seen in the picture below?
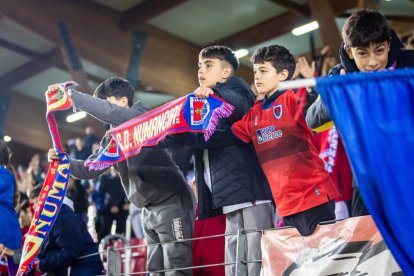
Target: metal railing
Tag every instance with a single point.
(115, 258)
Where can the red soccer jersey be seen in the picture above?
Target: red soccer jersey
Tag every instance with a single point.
(288, 157)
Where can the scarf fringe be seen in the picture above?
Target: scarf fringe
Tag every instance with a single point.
(99, 165)
(223, 111)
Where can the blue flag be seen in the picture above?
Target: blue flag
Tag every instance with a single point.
(374, 112)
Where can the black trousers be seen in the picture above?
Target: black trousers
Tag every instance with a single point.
(307, 221)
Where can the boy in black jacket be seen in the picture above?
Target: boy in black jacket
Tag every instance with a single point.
(230, 178)
(368, 45)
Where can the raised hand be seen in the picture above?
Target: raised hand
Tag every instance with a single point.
(52, 155)
(306, 70)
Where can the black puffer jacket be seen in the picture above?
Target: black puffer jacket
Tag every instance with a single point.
(318, 114)
(235, 171)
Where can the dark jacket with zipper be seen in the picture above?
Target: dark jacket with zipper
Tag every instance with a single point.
(236, 175)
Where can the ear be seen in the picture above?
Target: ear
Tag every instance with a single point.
(124, 101)
(348, 52)
(283, 75)
(226, 72)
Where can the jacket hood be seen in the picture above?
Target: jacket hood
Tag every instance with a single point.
(395, 49)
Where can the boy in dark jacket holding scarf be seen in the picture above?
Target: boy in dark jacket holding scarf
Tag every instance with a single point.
(230, 179)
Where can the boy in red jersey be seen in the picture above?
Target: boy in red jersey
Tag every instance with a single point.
(302, 189)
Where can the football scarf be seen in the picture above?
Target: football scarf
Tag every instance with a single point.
(186, 114)
(11, 267)
(55, 184)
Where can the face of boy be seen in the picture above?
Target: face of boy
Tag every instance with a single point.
(211, 71)
(372, 58)
(266, 78)
(122, 102)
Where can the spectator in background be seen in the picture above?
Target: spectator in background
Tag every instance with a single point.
(89, 139)
(81, 187)
(10, 234)
(326, 61)
(79, 198)
(66, 242)
(25, 217)
(80, 152)
(116, 204)
(34, 173)
(304, 96)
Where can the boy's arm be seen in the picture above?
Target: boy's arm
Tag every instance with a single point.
(103, 110)
(242, 129)
(318, 116)
(237, 96)
(78, 169)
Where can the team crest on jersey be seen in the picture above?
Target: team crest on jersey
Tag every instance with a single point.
(278, 111)
(200, 108)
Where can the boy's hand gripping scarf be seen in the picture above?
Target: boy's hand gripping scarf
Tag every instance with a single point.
(55, 184)
(186, 114)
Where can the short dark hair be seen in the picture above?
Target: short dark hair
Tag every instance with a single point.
(364, 27)
(4, 153)
(115, 87)
(222, 53)
(279, 56)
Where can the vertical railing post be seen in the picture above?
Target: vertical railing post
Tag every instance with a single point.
(241, 268)
(128, 251)
(113, 261)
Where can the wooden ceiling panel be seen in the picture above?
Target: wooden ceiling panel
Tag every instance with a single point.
(29, 69)
(277, 26)
(19, 120)
(96, 37)
(143, 12)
